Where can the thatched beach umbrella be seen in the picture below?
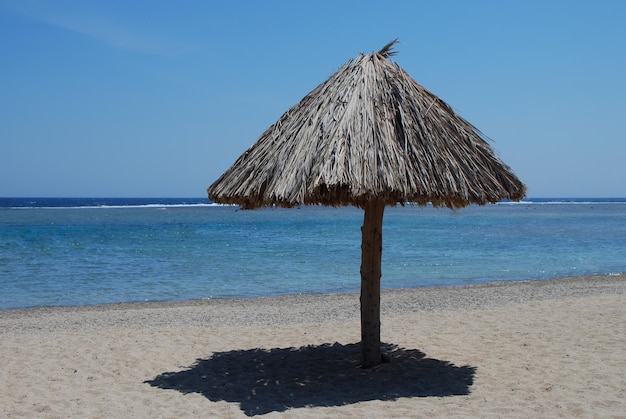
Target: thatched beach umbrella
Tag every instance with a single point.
(369, 136)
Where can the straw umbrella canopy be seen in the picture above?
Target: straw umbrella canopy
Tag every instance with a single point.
(369, 136)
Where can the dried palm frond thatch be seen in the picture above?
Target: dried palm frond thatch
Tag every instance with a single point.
(368, 131)
(369, 136)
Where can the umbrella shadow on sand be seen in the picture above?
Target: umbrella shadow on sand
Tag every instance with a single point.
(274, 380)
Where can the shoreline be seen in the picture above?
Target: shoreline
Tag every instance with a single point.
(277, 298)
(304, 308)
(548, 348)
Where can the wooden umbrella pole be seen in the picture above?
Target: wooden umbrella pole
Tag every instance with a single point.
(371, 255)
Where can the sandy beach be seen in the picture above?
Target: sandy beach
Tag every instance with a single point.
(525, 349)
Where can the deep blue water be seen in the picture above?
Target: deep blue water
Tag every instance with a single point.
(79, 251)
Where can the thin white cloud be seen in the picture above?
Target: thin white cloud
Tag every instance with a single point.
(99, 28)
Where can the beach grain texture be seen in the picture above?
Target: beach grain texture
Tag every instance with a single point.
(552, 348)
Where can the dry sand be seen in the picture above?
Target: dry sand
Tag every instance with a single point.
(528, 349)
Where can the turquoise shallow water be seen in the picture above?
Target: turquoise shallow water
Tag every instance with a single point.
(79, 252)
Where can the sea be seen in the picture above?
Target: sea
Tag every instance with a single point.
(86, 251)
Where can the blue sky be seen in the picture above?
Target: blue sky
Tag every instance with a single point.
(157, 98)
